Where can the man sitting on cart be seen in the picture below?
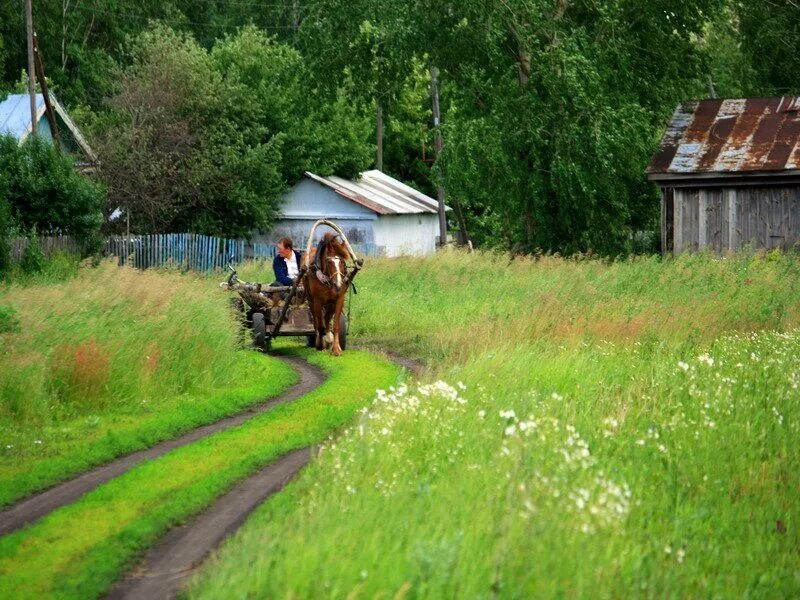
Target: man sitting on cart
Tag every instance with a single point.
(286, 263)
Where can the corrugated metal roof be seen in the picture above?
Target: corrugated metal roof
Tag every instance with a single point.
(380, 193)
(15, 115)
(753, 135)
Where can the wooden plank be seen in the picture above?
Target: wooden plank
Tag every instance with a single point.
(663, 222)
(794, 215)
(677, 220)
(730, 199)
(702, 218)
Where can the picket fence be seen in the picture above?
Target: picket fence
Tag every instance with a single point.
(182, 250)
(50, 244)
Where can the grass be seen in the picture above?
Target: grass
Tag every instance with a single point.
(60, 557)
(593, 430)
(99, 362)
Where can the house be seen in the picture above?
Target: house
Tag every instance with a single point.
(15, 120)
(379, 214)
(729, 174)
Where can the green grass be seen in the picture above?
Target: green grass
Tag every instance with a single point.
(56, 453)
(651, 452)
(109, 361)
(61, 557)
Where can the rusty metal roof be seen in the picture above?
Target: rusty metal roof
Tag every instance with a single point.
(380, 193)
(747, 136)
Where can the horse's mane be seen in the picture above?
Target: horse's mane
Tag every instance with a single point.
(335, 246)
(332, 245)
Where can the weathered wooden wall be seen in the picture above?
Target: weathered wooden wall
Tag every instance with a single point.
(728, 218)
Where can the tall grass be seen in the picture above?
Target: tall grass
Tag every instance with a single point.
(598, 430)
(110, 336)
(456, 305)
(115, 357)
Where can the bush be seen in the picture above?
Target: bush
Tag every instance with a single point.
(33, 258)
(5, 233)
(44, 190)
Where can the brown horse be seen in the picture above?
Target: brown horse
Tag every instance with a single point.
(326, 281)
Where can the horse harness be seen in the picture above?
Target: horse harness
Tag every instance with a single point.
(319, 271)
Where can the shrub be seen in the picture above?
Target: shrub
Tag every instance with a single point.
(33, 260)
(44, 190)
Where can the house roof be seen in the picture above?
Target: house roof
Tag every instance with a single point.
(753, 136)
(15, 119)
(380, 193)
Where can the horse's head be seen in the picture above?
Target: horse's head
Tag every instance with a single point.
(333, 261)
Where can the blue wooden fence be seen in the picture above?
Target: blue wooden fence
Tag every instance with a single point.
(193, 251)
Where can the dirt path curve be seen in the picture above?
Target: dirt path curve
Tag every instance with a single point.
(34, 507)
(167, 565)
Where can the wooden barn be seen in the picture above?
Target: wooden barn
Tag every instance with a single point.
(729, 173)
(379, 214)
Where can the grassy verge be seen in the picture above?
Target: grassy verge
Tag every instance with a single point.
(112, 360)
(61, 557)
(56, 453)
(623, 429)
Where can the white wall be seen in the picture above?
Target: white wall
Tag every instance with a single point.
(396, 235)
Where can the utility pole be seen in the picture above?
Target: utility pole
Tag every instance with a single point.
(31, 66)
(51, 115)
(438, 144)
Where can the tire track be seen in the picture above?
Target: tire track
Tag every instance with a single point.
(167, 565)
(40, 504)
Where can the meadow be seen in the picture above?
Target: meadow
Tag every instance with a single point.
(101, 361)
(588, 429)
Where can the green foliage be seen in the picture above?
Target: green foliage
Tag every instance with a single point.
(209, 140)
(6, 230)
(45, 192)
(770, 37)
(33, 259)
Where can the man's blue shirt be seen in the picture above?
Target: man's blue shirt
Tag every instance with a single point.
(281, 270)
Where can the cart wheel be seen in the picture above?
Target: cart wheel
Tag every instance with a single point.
(343, 331)
(259, 331)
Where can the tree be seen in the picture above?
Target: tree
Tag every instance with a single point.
(556, 109)
(208, 141)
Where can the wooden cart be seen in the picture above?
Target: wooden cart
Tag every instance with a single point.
(272, 311)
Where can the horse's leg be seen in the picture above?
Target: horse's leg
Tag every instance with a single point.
(316, 317)
(337, 313)
(329, 308)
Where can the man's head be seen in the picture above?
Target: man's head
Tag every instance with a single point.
(285, 247)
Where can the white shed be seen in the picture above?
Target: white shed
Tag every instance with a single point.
(378, 213)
